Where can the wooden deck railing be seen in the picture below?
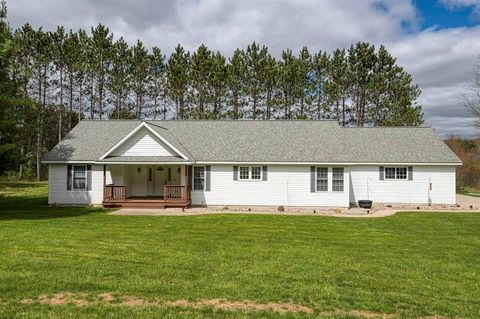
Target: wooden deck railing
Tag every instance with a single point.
(113, 192)
(176, 193)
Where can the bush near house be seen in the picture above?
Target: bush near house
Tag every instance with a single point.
(74, 262)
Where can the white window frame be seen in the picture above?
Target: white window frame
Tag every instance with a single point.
(250, 169)
(204, 177)
(316, 179)
(396, 168)
(343, 180)
(73, 178)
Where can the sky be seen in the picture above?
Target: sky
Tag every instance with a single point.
(437, 41)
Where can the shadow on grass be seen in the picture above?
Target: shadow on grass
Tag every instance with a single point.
(20, 185)
(36, 207)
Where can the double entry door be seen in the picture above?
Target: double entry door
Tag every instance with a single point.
(160, 175)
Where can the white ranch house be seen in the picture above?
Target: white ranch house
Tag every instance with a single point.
(291, 163)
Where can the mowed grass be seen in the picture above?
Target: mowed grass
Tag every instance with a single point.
(409, 265)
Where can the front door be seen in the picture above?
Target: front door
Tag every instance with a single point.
(150, 181)
(160, 179)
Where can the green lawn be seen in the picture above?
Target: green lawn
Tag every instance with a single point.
(406, 266)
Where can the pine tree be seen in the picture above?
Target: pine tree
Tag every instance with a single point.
(320, 65)
(288, 81)
(304, 83)
(139, 73)
(269, 75)
(200, 74)
(119, 76)
(59, 60)
(255, 58)
(178, 79)
(157, 76)
(102, 47)
(218, 84)
(236, 71)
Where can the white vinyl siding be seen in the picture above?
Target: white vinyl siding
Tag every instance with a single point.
(365, 183)
(143, 143)
(287, 185)
(57, 186)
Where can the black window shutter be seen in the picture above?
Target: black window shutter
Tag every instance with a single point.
(264, 173)
(410, 173)
(69, 177)
(312, 179)
(235, 173)
(169, 174)
(190, 175)
(381, 171)
(89, 177)
(207, 178)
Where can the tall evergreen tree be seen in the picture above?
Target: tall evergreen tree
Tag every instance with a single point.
(305, 82)
(59, 38)
(236, 71)
(200, 74)
(217, 83)
(102, 44)
(178, 79)
(157, 75)
(139, 73)
(255, 58)
(320, 65)
(119, 76)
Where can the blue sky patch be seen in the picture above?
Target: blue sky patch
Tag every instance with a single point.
(436, 15)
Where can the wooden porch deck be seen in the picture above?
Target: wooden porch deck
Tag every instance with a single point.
(174, 196)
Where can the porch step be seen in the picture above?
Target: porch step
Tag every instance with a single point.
(146, 203)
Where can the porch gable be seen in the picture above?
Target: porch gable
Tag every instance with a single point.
(143, 141)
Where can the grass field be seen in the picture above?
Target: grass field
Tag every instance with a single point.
(83, 263)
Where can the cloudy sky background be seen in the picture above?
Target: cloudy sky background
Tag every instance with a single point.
(437, 41)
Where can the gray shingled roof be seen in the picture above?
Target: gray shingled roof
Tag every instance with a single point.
(265, 141)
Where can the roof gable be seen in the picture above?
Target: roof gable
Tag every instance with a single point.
(143, 141)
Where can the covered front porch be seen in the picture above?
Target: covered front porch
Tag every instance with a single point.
(155, 185)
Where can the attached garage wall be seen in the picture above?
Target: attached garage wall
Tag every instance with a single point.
(404, 191)
(287, 185)
(57, 187)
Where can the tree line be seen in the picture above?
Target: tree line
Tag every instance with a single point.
(63, 77)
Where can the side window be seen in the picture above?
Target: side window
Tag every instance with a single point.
(396, 173)
(322, 179)
(79, 177)
(244, 172)
(337, 179)
(256, 172)
(199, 178)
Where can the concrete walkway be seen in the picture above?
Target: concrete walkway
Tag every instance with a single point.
(463, 205)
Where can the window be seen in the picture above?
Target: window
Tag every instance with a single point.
(322, 179)
(250, 173)
(244, 172)
(256, 172)
(396, 173)
(337, 179)
(79, 177)
(198, 178)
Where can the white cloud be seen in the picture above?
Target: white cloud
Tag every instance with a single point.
(439, 60)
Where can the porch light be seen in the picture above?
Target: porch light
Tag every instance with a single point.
(159, 168)
(139, 169)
